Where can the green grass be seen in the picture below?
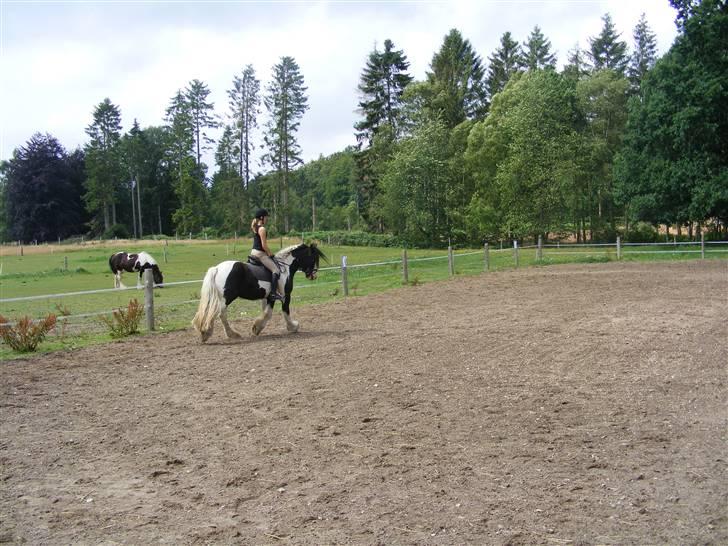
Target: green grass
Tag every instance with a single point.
(43, 273)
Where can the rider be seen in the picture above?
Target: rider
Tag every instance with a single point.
(263, 253)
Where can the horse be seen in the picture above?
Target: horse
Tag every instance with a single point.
(121, 261)
(231, 279)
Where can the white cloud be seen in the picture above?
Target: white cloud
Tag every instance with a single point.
(60, 60)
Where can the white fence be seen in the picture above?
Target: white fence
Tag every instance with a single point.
(341, 273)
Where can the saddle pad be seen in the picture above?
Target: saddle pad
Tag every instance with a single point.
(258, 270)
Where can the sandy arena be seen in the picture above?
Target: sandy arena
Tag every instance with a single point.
(581, 404)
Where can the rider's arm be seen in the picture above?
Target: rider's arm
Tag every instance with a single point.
(264, 240)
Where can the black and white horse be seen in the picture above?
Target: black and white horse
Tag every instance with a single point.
(229, 280)
(121, 261)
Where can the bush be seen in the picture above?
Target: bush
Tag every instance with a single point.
(117, 230)
(641, 232)
(26, 335)
(124, 323)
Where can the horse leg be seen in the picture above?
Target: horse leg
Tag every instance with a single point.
(291, 325)
(229, 332)
(204, 336)
(263, 319)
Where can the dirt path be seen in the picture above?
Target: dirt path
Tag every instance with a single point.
(562, 405)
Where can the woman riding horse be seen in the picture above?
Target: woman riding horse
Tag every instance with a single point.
(230, 280)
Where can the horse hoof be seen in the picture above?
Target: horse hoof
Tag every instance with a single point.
(256, 330)
(204, 336)
(293, 327)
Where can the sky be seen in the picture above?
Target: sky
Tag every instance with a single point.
(59, 59)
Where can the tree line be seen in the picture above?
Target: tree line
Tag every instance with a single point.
(616, 141)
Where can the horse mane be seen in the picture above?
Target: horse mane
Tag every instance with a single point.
(315, 250)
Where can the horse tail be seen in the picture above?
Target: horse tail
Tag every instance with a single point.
(211, 303)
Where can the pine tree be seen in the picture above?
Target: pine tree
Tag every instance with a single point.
(606, 50)
(133, 148)
(103, 161)
(505, 61)
(42, 191)
(286, 103)
(457, 80)
(537, 51)
(244, 109)
(576, 67)
(381, 86)
(644, 55)
(180, 129)
(201, 117)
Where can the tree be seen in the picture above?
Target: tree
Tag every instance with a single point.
(43, 191)
(191, 214)
(673, 167)
(181, 131)
(286, 103)
(201, 118)
(506, 61)
(537, 51)
(525, 154)
(606, 50)
(244, 109)
(103, 161)
(576, 66)
(456, 78)
(132, 151)
(381, 86)
(603, 100)
(644, 55)
(415, 184)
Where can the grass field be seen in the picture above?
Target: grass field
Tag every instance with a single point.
(47, 270)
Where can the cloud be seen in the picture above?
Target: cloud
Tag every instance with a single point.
(59, 60)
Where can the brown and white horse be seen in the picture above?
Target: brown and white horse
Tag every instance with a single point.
(121, 261)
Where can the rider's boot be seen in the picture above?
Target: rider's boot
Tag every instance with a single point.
(274, 295)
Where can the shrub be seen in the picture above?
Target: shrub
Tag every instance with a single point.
(122, 322)
(641, 232)
(26, 334)
(117, 230)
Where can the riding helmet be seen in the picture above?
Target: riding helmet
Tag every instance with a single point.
(260, 213)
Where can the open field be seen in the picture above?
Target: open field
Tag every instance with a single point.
(576, 404)
(57, 269)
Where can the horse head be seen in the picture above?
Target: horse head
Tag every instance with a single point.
(157, 274)
(307, 258)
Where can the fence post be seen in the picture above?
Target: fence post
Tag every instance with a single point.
(344, 278)
(702, 246)
(164, 250)
(21, 250)
(405, 270)
(515, 251)
(450, 261)
(619, 247)
(149, 298)
(486, 257)
(65, 263)
(539, 249)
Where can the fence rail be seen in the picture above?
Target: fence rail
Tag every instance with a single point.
(368, 277)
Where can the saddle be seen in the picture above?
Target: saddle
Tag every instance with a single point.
(261, 272)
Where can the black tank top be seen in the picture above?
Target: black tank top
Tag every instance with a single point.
(257, 243)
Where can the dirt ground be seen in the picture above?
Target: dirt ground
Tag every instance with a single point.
(581, 404)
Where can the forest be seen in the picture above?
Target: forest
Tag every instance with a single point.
(618, 141)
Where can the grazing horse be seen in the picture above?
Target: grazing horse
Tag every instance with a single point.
(229, 280)
(121, 261)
